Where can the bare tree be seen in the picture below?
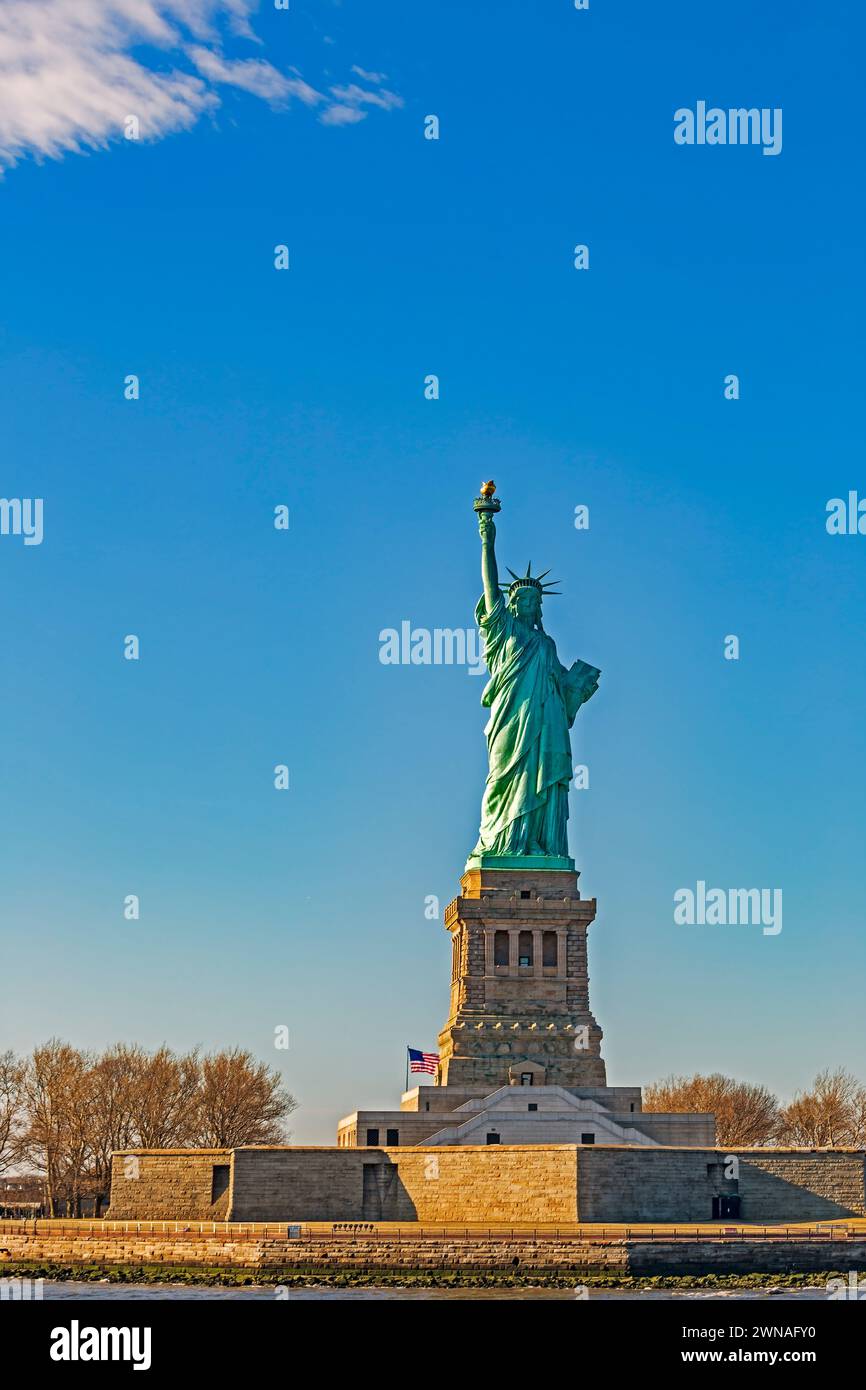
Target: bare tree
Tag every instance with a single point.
(858, 1119)
(164, 1099)
(831, 1115)
(52, 1092)
(11, 1109)
(745, 1114)
(112, 1083)
(242, 1102)
(66, 1112)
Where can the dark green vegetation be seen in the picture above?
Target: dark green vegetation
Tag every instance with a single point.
(425, 1278)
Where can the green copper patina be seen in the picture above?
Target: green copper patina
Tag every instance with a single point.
(533, 701)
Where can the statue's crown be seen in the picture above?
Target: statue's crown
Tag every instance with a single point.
(529, 581)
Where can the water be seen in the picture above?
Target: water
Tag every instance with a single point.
(83, 1292)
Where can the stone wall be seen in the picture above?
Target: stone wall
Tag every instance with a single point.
(441, 1098)
(273, 1249)
(324, 1253)
(645, 1184)
(302, 1185)
(674, 1130)
(623, 1184)
(500, 1183)
(466, 1184)
(169, 1183)
(412, 1127)
(793, 1185)
(699, 1257)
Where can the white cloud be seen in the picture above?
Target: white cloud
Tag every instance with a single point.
(342, 115)
(71, 72)
(253, 75)
(356, 96)
(375, 77)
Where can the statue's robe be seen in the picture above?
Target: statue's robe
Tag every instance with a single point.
(533, 701)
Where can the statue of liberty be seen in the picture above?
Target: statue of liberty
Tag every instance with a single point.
(533, 701)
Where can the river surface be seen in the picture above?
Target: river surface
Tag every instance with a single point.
(82, 1292)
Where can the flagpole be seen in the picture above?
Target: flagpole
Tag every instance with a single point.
(406, 1087)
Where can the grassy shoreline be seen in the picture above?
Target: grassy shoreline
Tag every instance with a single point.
(289, 1277)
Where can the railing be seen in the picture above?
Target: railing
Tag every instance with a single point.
(385, 1231)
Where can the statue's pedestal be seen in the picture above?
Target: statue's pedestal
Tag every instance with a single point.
(519, 982)
(520, 862)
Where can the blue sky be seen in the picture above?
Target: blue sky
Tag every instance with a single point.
(605, 388)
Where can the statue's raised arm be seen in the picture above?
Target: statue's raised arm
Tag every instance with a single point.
(486, 507)
(489, 570)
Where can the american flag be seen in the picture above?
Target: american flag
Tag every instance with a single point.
(423, 1061)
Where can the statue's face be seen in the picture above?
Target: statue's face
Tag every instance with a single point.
(526, 605)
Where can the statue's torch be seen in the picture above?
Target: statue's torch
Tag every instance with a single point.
(487, 504)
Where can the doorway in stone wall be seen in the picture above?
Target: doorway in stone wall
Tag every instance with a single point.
(380, 1192)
